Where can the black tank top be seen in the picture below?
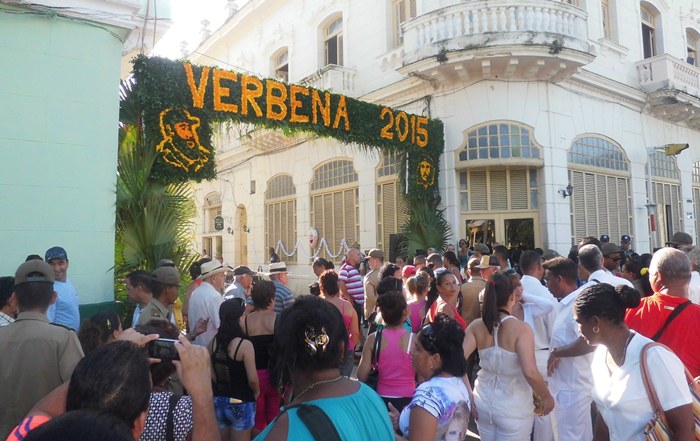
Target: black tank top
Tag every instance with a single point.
(262, 345)
(230, 377)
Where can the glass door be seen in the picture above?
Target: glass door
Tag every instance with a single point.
(510, 229)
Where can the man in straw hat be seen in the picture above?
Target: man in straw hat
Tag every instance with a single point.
(280, 278)
(206, 299)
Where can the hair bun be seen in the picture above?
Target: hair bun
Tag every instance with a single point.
(631, 298)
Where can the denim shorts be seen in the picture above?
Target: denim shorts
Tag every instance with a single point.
(238, 416)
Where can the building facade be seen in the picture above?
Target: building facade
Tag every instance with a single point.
(552, 112)
(59, 117)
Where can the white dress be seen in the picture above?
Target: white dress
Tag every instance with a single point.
(502, 396)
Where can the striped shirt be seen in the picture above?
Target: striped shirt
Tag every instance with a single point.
(353, 282)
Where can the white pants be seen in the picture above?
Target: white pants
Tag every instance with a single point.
(544, 425)
(504, 428)
(573, 416)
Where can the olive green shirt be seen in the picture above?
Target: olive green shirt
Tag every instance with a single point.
(35, 358)
(155, 310)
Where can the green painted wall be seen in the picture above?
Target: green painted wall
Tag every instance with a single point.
(59, 108)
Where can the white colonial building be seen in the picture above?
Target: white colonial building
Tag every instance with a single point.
(552, 111)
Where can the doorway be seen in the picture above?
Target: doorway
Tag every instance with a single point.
(510, 229)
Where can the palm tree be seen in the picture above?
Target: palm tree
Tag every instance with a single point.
(153, 219)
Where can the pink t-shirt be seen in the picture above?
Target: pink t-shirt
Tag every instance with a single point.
(416, 316)
(396, 374)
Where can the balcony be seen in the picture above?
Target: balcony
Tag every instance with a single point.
(533, 40)
(673, 88)
(338, 79)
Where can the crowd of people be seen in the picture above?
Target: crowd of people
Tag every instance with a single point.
(528, 344)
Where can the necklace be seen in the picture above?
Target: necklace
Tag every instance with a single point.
(317, 383)
(503, 311)
(610, 360)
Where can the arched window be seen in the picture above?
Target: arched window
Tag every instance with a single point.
(651, 30)
(332, 174)
(280, 65)
(281, 214)
(498, 177)
(601, 199)
(334, 209)
(597, 152)
(391, 212)
(333, 42)
(499, 141)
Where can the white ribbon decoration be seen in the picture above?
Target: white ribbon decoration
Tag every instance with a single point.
(344, 248)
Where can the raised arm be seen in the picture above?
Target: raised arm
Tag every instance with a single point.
(194, 370)
(539, 305)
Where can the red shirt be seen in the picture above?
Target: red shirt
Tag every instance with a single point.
(682, 335)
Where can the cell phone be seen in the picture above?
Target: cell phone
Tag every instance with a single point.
(163, 348)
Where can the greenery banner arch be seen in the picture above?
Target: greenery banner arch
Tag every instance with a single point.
(178, 102)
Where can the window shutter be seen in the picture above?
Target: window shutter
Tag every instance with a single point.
(591, 226)
(498, 190)
(349, 219)
(602, 205)
(518, 190)
(477, 190)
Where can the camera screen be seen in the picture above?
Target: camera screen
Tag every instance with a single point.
(164, 349)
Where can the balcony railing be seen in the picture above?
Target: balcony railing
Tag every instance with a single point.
(668, 72)
(478, 24)
(336, 78)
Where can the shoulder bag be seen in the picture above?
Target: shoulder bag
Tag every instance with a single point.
(657, 428)
(373, 377)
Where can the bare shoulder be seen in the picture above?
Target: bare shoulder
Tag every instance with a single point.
(280, 429)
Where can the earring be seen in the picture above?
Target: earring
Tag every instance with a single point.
(596, 329)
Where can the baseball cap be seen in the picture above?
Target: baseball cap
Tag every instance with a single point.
(167, 275)
(240, 270)
(610, 248)
(375, 253)
(488, 261)
(680, 238)
(408, 271)
(42, 272)
(605, 238)
(55, 253)
(482, 248)
(625, 239)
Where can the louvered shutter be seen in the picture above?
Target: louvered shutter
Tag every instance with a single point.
(477, 192)
(518, 190)
(498, 190)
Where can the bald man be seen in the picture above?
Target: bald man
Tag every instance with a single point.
(668, 316)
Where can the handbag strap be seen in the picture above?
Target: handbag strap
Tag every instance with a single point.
(317, 421)
(377, 348)
(170, 420)
(677, 310)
